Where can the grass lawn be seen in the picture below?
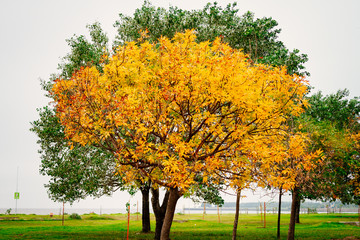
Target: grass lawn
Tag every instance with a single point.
(114, 226)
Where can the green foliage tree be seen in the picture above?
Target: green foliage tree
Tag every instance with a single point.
(335, 108)
(333, 123)
(258, 37)
(84, 52)
(92, 170)
(75, 171)
(209, 192)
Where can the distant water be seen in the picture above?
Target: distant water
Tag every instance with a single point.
(58, 211)
(69, 210)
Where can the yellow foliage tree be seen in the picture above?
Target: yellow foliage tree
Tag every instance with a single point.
(174, 109)
(290, 167)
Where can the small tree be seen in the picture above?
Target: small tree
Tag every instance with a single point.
(333, 120)
(8, 211)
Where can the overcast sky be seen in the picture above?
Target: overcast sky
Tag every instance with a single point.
(32, 41)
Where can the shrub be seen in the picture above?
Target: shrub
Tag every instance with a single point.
(75, 216)
(8, 211)
(312, 210)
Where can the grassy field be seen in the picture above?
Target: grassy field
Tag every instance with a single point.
(114, 226)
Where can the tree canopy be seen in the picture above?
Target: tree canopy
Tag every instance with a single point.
(165, 115)
(333, 126)
(75, 171)
(175, 108)
(182, 94)
(258, 37)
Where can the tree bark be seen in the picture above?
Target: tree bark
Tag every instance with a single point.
(145, 191)
(264, 215)
(169, 215)
(159, 211)
(297, 212)
(291, 233)
(279, 215)
(62, 214)
(237, 210)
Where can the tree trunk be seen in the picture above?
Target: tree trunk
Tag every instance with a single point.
(236, 220)
(159, 211)
(62, 214)
(169, 215)
(291, 233)
(264, 215)
(297, 212)
(279, 215)
(145, 190)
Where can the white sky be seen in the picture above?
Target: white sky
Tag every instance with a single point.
(32, 41)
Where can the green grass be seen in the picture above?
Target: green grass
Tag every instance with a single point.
(114, 226)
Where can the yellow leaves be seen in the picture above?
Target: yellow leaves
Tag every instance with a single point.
(293, 159)
(171, 165)
(184, 39)
(287, 185)
(297, 146)
(178, 108)
(143, 35)
(128, 174)
(177, 174)
(356, 184)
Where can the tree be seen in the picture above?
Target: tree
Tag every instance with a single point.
(336, 108)
(176, 108)
(79, 171)
(84, 52)
(294, 160)
(335, 119)
(331, 126)
(257, 37)
(159, 210)
(92, 171)
(303, 158)
(208, 191)
(76, 171)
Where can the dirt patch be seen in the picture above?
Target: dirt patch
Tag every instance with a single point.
(9, 218)
(180, 221)
(351, 223)
(348, 238)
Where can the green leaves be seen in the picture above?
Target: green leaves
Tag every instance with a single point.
(75, 171)
(257, 37)
(84, 52)
(332, 123)
(335, 108)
